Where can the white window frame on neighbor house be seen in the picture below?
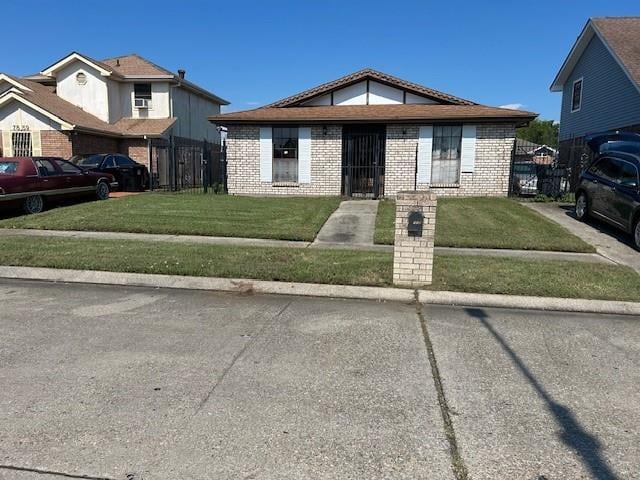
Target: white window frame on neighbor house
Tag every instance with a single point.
(147, 104)
(573, 94)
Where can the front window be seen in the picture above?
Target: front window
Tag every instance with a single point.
(67, 167)
(21, 144)
(142, 95)
(90, 161)
(576, 96)
(285, 154)
(445, 159)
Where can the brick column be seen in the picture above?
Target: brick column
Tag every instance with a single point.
(413, 255)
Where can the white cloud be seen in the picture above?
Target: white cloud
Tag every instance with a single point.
(252, 103)
(513, 106)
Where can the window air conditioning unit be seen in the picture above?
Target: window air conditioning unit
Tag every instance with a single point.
(142, 102)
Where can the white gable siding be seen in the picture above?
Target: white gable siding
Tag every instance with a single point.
(380, 94)
(16, 114)
(115, 105)
(411, 98)
(322, 100)
(352, 95)
(92, 97)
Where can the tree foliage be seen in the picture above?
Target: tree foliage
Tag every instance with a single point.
(542, 132)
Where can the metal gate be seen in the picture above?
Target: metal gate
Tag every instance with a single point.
(363, 149)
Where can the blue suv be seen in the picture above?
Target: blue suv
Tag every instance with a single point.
(609, 189)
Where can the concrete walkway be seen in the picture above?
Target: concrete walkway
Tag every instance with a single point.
(608, 242)
(261, 242)
(353, 223)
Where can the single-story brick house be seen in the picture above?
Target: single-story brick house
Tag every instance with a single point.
(370, 134)
(80, 105)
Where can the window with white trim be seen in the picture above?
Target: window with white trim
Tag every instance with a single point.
(285, 154)
(576, 95)
(21, 144)
(142, 95)
(446, 154)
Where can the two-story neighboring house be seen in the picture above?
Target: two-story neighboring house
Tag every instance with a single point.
(80, 105)
(600, 85)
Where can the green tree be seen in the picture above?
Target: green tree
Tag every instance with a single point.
(542, 132)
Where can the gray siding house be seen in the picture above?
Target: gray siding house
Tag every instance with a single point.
(600, 85)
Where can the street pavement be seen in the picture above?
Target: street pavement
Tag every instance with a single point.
(133, 383)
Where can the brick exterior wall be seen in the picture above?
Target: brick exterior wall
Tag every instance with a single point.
(85, 144)
(243, 163)
(494, 144)
(56, 144)
(137, 149)
(413, 256)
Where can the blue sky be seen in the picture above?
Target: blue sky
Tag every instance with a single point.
(254, 52)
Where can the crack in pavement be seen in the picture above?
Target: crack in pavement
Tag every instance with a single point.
(457, 463)
(237, 356)
(40, 471)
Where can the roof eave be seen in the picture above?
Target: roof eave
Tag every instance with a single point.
(519, 120)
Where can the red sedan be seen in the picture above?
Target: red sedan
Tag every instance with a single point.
(28, 181)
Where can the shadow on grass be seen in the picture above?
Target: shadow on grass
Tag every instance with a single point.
(573, 435)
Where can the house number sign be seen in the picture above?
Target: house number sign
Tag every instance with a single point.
(20, 128)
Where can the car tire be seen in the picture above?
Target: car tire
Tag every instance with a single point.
(635, 233)
(33, 204)
(102, 190)
(582, 207)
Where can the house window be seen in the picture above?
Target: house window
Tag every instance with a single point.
(576, 95)
(285, 154)
(445, 159)
(142, 95)
(81, 78)
(21, 145)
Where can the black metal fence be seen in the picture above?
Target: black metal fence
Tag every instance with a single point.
(535, 171)
(183, 165)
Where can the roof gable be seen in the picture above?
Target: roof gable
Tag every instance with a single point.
(620, 36)
(367, 74)
(104, 69)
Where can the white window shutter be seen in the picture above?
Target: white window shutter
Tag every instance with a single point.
(304, 155)
(266, 154)
(7, 150)
(425, 147)
(36, 144)
(468, 162)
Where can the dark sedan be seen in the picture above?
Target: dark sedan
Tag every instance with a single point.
(609, 189)
(130, 175)
(28, 181)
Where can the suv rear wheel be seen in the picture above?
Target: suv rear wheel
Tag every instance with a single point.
(582, 207)
(636, 233)
(33, 204)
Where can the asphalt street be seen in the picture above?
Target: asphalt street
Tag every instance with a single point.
(133, 383)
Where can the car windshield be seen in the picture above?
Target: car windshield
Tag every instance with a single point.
(8, 168)
(91, 161)
(524, 168)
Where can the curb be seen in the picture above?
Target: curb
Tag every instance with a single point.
(247, 286)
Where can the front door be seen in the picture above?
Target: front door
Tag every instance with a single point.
(363, 149)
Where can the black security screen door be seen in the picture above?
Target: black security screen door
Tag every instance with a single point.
(363, 160)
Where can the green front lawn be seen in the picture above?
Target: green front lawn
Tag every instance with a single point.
(451, 272)
(290, 218)
(487, 223)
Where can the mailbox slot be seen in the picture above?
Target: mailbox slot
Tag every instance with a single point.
(414, 227)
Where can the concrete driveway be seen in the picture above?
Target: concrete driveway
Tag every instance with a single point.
(608, 241)
(130, 383)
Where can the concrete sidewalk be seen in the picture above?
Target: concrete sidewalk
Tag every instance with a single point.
(260, 242)
(353, 223)
(608, 242)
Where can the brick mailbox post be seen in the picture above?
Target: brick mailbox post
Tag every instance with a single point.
(414, 236)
